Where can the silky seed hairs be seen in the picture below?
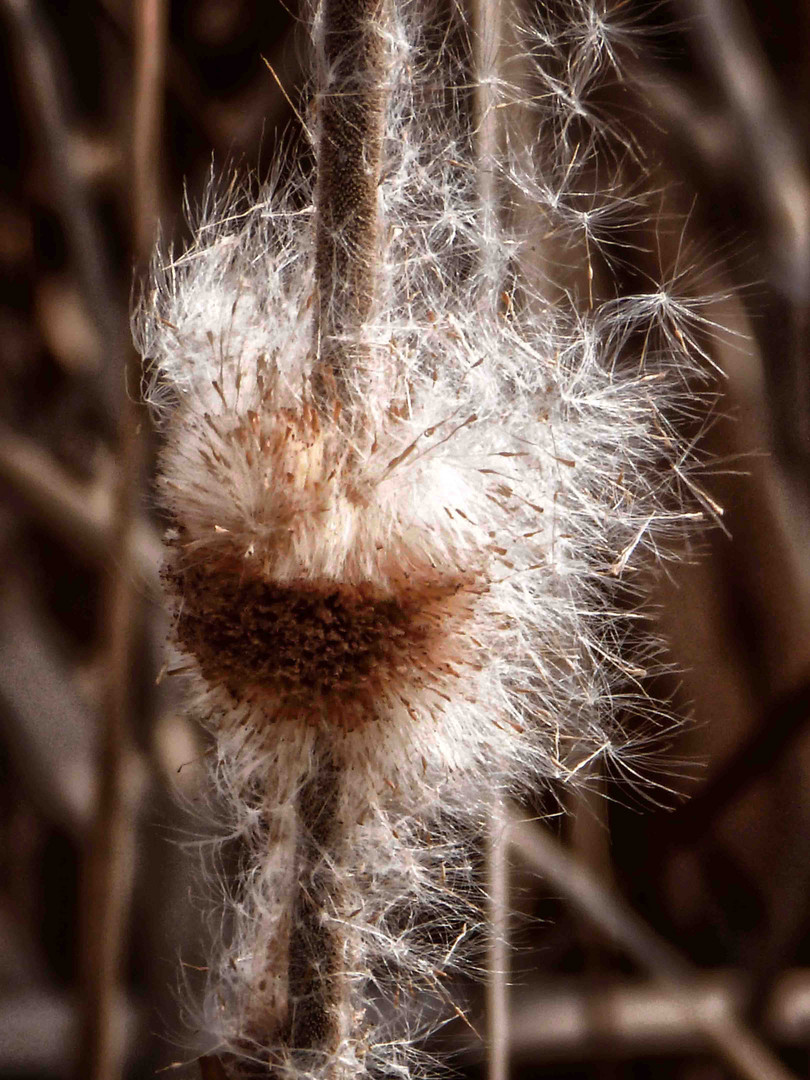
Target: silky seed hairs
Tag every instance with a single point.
(412, 455)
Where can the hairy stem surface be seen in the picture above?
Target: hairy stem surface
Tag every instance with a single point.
(352, 116)
(317, 998)
(352, 105)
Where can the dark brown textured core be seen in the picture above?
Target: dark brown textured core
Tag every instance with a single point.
(321, 651)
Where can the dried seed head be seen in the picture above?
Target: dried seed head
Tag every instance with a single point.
(320, 651)
(411, 558)
(333, 603)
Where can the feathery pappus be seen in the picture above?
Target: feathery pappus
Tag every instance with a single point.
(393, 576)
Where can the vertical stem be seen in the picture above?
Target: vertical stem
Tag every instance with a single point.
(150, 60)
(486, 18)
(588, 829)
(498, 951)
(352, 61)
(304, 1026)
(352, 69)
(111, 849)
(37, 54)
(316, 991)
(305, 1029)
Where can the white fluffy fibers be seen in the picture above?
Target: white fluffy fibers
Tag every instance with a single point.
(391, 604)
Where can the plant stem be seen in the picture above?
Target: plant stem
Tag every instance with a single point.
(316, 996)
(352, 57)
(486, 19)
(498, 947)
(111, 851)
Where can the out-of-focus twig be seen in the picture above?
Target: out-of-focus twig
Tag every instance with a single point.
(111, 849)
(702, 132)
(775, 162)
(49, 731)
(39, 1030)
(487, 30)
(150, 62)
(48, 92)
(180, 78)
(498, 1022)
(216, 122)
(755, 755)
(111, 855)
(733, 53)
(738, 1046)
(81, 516)
(560, 1019)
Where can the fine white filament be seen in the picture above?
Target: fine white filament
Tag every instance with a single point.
(408, 474)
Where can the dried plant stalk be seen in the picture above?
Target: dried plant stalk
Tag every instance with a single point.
(352, 56)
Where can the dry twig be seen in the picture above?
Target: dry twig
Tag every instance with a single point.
(738, 1046)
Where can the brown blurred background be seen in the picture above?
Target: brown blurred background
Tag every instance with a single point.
(109, 110)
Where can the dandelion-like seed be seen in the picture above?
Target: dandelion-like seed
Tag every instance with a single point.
(407, 470)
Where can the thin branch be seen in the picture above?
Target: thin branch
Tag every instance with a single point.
(80, 515)
(486, 30)
(180, 76)
(39, 1027)
(562, 1021)
(49, 730)
(498, 1023)
(150, 57)
(49, 94)
(738, 1046)
(758, 752)
(773, 156)
(111, 854)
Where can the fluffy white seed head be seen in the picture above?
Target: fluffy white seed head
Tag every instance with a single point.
(426, 570)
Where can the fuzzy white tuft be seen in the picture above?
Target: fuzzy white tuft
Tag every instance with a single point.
(422, 579)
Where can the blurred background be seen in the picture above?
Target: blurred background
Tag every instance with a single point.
(664, 936)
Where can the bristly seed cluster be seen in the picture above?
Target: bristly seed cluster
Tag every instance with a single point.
(324, 652)
(395, 554)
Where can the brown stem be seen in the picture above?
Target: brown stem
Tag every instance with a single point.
(151, 29)
(108, 871)
(316, 992)
(350, 143)
(487, 25)
(352, 71)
